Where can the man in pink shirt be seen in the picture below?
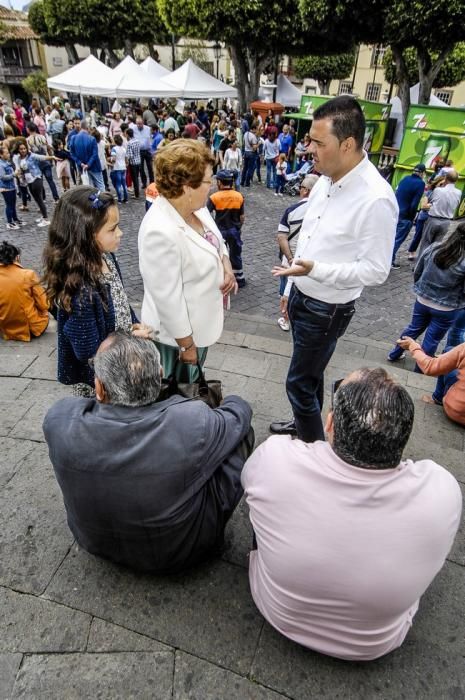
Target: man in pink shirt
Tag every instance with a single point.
(349, 535)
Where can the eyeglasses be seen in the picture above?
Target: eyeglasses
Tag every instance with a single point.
(334, 387)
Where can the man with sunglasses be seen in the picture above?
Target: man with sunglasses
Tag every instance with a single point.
(349, 534)
(345, 243)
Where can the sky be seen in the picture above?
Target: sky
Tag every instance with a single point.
(15, 4)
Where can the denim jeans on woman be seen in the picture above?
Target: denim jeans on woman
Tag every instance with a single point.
(455, 337)
(10, 205)
(436, 323)
(270, 173)
(118, 178)
(316, 327)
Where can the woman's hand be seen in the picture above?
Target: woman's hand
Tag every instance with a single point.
(229, 284)
(141, 330)
(299, 268)
(405, 342)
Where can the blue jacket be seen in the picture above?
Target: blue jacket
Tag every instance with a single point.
(408, 195)
(84, 149)
(81, 332)
(444, 287)
(7, 175)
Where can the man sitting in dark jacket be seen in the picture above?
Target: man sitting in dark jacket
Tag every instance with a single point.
(149, 485)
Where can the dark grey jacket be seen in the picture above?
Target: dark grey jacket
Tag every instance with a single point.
(149, 487)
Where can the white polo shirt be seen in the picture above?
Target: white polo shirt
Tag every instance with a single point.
(348, 231)
(444, 201)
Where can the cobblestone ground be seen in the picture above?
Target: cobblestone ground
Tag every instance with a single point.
(381, 312)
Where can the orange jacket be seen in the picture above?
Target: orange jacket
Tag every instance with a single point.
(23, 304)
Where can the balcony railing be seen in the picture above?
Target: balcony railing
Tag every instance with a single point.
(13, 74)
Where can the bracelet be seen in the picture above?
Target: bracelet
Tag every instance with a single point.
(182, 349)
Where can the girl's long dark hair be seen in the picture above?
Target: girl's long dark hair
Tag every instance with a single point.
(452, 249)
(72, 256)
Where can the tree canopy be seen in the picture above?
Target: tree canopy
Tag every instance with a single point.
(451, 72)
(325, 68)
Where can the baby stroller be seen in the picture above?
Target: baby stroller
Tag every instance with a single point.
(293, 180)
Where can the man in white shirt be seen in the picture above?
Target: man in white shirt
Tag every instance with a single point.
(349, 536)
(444, 201)
(143, 134)
(345, 243)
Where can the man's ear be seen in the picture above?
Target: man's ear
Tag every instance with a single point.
(100, 392)
(329, 426)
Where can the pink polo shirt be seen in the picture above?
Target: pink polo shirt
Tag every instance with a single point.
(345, 553)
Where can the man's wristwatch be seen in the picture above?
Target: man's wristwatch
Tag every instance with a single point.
(183, 349)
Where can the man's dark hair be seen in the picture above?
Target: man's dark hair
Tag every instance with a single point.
(32, 127)
(346, 116)
(130, 133)
(372, 420)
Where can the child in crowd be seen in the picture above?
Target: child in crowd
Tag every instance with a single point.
(281, 169)
(8, 189)
(118, 174)
(23, 303)
(83, 280)
(63, 158)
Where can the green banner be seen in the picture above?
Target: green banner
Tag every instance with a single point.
(376, 116)
(432, 134)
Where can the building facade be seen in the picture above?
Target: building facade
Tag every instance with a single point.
(19, 53)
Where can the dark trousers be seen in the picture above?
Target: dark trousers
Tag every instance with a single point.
(280, 182)
(46, 170)
(436, 323)
(455, 337)
(105, 179)
(146, 160)
(74, 170)
(135, 172)
(248, 168)
(10, 205)
(232, 238)
(316, 327)
(419, 225)
(402, 231)
(36, 188)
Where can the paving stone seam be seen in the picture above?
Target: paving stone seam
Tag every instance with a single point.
(57, 568)
(256, 648)
(122, 627)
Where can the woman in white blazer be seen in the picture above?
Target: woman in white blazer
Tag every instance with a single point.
(183, 259)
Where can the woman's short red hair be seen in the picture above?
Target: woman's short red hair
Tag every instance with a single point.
(181, 162)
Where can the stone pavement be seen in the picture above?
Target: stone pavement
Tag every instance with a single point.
(74, 626)
(382, 312)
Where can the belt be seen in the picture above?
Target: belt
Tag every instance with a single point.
(348, 304)
(444, 218)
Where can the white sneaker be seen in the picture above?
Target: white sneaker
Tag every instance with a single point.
(283, 324)
(12, 227)
(44, 222)
(39, 220)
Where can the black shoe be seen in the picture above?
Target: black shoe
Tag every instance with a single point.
(283, 427)
(395, 266)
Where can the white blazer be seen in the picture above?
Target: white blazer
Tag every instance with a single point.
(182, 275)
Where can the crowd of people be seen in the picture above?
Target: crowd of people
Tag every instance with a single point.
(150, 482)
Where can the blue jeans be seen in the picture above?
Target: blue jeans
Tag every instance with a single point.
(248, 168)
(402, 231)
(316, 327)
(280, 182)
(270, 173)
(420, 222)
(10, 205)
(436, 324)
(118, 178)
(455, 337)
(46, 170)
(96, 179)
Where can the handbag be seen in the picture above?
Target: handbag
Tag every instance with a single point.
(208, 391)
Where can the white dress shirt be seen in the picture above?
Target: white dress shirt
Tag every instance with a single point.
(348, 231)
(444, 201)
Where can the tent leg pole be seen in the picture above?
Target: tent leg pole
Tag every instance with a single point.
(83, 109)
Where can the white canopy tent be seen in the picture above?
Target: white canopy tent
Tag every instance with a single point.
(396, 111)
(130, 80)
(286, 93)
(88, 77)
(153, 68)
(190, 81)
